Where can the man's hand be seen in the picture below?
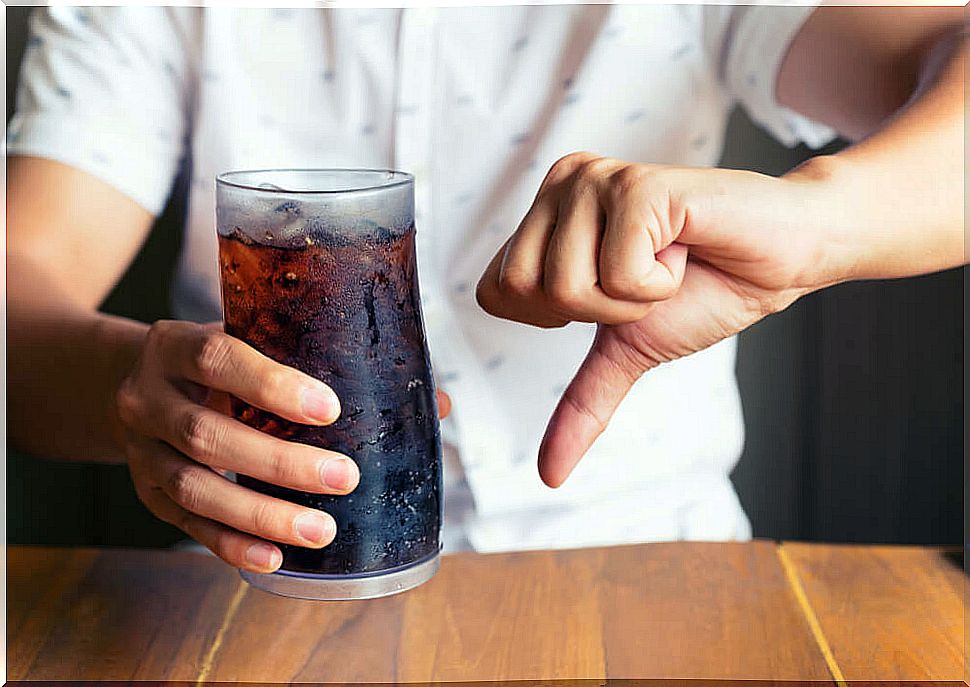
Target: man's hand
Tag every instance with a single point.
(668, 260)
(118, 390)
(672, 260)
(178, 445)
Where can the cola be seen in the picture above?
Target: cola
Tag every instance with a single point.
(338, 299)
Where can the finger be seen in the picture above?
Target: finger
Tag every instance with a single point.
(215, 440)
(635, 233)
(586, 407)
(219, 361)
(487, 292)
(526, 305)
(200, 491)
(673, 259)
(444, 404)
(570, 274)
(511, 286)
(235, 548)
(520, 275)
(219, 401)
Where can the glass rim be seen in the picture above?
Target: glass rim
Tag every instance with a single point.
(395, 178)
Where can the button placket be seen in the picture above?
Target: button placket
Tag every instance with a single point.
(481, 451)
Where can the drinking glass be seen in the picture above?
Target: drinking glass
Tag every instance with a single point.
(318, 272)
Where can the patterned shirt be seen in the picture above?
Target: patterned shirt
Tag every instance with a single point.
(477, 102)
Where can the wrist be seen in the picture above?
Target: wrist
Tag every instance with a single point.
(819, 201)
(119, 343)
(774, 229)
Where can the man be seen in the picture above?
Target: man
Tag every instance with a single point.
(669, 257)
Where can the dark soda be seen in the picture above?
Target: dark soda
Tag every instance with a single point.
(342, 305)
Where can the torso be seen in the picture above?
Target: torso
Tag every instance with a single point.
(478, 103)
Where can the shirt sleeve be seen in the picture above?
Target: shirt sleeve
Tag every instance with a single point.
(106, 90)
(749, 44)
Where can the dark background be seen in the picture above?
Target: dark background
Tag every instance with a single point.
(853, 402)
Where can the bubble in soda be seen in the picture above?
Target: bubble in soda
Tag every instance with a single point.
(341, 303)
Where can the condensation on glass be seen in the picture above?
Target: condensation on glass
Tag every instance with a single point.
(318, 272)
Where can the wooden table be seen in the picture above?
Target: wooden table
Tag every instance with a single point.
(719, 611)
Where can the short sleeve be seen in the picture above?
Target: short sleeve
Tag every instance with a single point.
(106, 90)
(749, 43)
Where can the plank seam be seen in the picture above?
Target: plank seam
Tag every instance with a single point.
(210, 656)
(809, 613)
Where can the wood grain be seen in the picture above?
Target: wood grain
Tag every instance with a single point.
(667, 610)
(112, 615)
(888, 612)
(506, 617)
(720, 611)
(38, 582)
(658, 611)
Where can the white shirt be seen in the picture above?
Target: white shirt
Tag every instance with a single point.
(477, 102)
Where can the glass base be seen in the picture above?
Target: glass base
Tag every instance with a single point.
(344, 587)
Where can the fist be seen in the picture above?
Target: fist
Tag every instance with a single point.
(667, 260)
(596, 246)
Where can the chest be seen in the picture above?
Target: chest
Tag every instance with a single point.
(320, 85)
(476, 102)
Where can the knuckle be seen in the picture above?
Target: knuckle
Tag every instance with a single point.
(158, 332)
(225, 546)
(283, 468)
(263, 518)
(563, 166)
(128, 402)
(592, 170)
(567, 297)
(273, 384)
(186, 486)
(518, 283)
(199, 435)
(582, 408)
(626, 183)
(213, 355)
(559, 170)
(626, 285)
(566, 166)
(229, 551)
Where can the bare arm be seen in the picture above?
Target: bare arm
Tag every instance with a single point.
(83, 385)
(892, 79)
(70, 238)
(671, 260)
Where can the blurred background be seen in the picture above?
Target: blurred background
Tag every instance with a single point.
(853, 401)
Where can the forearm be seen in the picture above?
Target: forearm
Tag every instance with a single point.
(892, 204)
(64, 365)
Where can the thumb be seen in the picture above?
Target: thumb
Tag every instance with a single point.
(603, 380)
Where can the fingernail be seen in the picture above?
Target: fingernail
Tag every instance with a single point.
(320, 403)
(264, 556)
(337, 473)
(315, 528)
